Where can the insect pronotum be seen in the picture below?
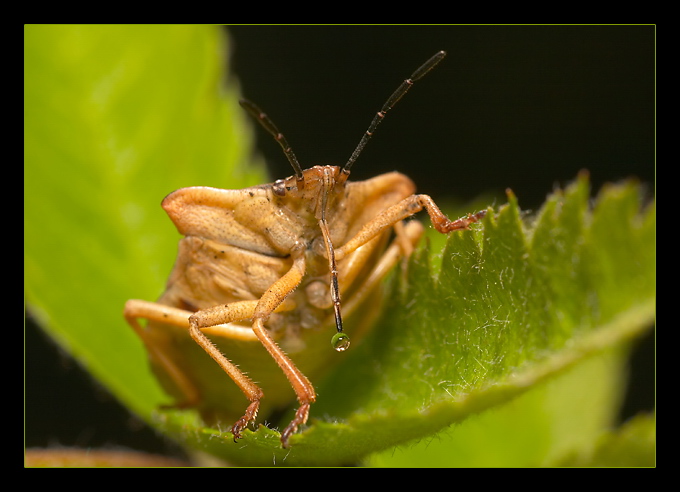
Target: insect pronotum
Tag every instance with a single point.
(265, 267)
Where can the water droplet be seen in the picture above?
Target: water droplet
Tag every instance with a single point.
(340, 342)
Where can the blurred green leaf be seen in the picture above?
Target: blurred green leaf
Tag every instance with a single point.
(116, 117)
(632, 445)
(518, 324)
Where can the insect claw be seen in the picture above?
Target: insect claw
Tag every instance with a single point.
(237, 428)
(242, 423)
(299, 419)
(444, 225)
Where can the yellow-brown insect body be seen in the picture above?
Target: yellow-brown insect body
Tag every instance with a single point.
(236, 251)
(260, 270)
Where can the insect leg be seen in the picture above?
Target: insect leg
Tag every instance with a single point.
(136, 309)
(402, 246)
(399, 211)
(272, 298)
(215, 321)
(224, 314)
(441, 222)
(406, 238)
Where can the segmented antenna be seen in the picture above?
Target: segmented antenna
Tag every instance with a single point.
(389, 104)
(269, 125)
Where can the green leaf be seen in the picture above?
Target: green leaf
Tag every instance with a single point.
(499, 319)
(633, 445)
(534, 429)
(516, 332)
(116, 117)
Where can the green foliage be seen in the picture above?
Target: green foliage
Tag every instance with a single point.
(117, 117)
(632, 445)
(519, 339)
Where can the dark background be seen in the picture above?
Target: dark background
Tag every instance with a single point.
(524, 107)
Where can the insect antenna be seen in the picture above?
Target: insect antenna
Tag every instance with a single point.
(389, 104)
(269, 125)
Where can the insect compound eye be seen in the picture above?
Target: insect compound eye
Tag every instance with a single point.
(279, 188)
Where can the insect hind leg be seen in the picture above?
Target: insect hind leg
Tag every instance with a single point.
(135, 310)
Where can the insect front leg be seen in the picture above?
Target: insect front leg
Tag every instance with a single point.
(167, 315)
(408, 235)
(215, 316)
(273, 297)
(217, 321)
(399, 211)
(136, 309)
(271, 301)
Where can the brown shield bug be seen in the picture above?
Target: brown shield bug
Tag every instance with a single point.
(265, 267)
